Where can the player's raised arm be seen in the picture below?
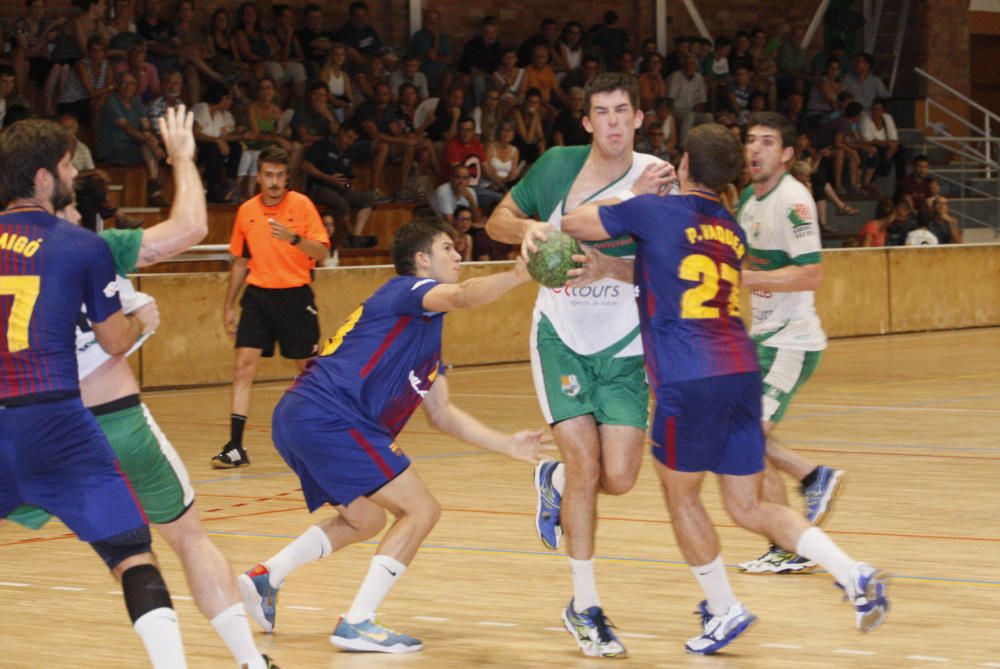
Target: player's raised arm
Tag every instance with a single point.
(477, 292)
(444, 416)
(188, 221)
(507, 223)
(790, 279)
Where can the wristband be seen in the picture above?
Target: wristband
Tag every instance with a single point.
(295, 240)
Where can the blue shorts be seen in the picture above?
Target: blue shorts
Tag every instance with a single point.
(710, 424)
(55, 456)
(337, 454)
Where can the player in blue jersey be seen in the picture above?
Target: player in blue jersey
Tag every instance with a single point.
(52, 451)
(703, 368)
(337, 426)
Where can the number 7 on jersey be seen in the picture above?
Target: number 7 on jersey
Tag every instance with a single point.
(25, 290)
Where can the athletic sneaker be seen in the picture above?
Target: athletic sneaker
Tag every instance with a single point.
(231, 457)
(369, 636)
(592, 631)
(820, 495)
(867, 593)
(547, 510)
(268, 663)
(260, 598)
(778, 561)
(719, 631)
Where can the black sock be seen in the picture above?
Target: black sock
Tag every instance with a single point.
(144, 591)
(810, 478)
(236, 425)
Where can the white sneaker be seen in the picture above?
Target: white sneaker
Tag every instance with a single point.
(719, 631)
(866, 591)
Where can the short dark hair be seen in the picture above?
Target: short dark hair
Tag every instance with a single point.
(778, 122)
(715, 156)
(853, 109)
(315, 86)
(214, 93)
(881, 101)
(415, 237)
(311, 7)
(610, 17)
(6, 71)
(26, 147)
(357, 4)
(609, 82)
(922, 157)
(868, 58)
(275, 155)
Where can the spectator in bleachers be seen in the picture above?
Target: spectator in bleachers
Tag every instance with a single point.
(454, 193)
(765, 67)
(651, 83)
(462, 221)
(220, 52)
(568, 129)
(263, 122)
(652, 141)
(837, 52)
(488, 115)
(364, 82)
(374, 118)
(481, 57)
(626, 62)
(253, 45)
(357, 34)
(740, 53)
(122, 31)
(540, 75)
(338, 81)
(173, 84)
(917, 186)
(71, 45)
(879, 129)
(88, 84)
(687, 89)
(289, 69)
(921, 235)
(126, 138)
(330, 183)
(503, 163)
(315, 41)
(823, 95)
(159, 35)
(509, 78)
(873, 233)
(407, 108)
(864, 85)
(7, 80)
(935, 189)
(433, 48)
(675, 59)
(466, 149)
(530, 139)
(612, 39)
(902, 223)
(793, 60)
(942, 223)
(145, 73)
(446, 115)
(663, 109)
(580, 76)
(547, 36)
(219, 142)
(569, 49)
(33, 34)
(715, 70)
(313, 119)
(409, 73)
(820, 164)
(794, 110)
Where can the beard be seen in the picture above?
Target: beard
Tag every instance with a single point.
(62, 195)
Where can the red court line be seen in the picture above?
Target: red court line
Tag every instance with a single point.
(38, 540)
(899, 455)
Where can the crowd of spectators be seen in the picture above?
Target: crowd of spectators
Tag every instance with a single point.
(458, 128)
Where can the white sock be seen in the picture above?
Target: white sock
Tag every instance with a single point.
(584, 585)
(815, 545)
(234, 629)
(559, 478)
(311, 546)
(715, 584)
(383, 572)
(161, 635)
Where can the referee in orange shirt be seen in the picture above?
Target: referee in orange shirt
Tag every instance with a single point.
(277, 238)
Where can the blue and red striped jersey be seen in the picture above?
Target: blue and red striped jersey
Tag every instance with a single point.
(48, 269)
(383, 360)
(687, 275)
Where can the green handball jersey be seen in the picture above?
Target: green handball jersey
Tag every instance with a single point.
(782, 231)
(601, 318)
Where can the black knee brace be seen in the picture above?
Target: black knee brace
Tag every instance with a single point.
(144, 591)
(115, 549)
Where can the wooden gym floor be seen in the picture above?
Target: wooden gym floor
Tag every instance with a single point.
(913, 419)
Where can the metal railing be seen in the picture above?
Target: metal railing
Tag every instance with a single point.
(977, 148)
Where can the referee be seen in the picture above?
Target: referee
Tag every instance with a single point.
(277, 239)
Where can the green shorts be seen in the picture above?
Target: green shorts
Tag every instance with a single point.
(149, 461)
(783, 371)
(568, 384)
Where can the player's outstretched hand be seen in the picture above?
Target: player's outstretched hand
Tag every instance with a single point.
(177, 131)
(527, 445)
(655, 179)
(535, 232)
(521, 270)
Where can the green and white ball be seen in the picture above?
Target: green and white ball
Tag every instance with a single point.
(553, 259)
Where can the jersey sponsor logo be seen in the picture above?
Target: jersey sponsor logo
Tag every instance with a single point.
(597, 291)
(111, 289)
(422, 387)
(802, 214)
(570, 385)
(396, 450)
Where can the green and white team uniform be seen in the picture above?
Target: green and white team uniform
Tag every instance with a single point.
(782, 231)
(147, 458)
(586, 352)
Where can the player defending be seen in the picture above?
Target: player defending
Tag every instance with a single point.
(707, 382)
(337, 426)
(778, 215)
(586, 353)
(111, 393)
(52, 451)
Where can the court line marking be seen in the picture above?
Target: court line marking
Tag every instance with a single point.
(10, 584)
(495, 623)
(992, 665)
(555, 629)
(928, 658)
(302, 608)
(636, 635)
(67, 588)
(431, 619)
(782, 646)
(852, 651)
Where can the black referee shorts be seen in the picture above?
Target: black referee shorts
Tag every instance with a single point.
(284, 315)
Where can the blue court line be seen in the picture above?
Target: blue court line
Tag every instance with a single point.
(608, 558)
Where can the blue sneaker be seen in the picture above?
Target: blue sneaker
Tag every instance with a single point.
(259, 598)
(820, 495)
(867, 593)
(371, 637)
(592, 631)
(549, 501)
(719, 631)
